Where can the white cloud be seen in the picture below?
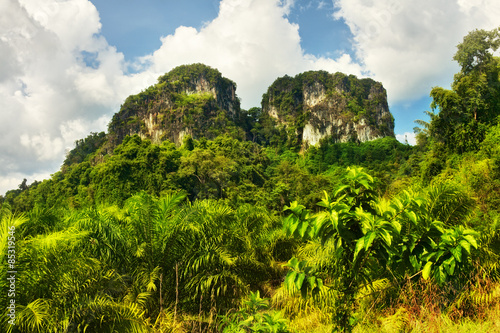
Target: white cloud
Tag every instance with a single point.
(250, 42)
(407, 137)
(409, 45)
(45, 86)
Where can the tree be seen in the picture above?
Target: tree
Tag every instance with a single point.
(210, 169)
(23, 186)
(475, 52)
(474, 100)
(84, 148)
(371, 239)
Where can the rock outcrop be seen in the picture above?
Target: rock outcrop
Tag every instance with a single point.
(317, 105)
(196, 100)
(190, 100)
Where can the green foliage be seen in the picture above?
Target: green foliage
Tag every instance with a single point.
(377, 155)
(473, 103)
(185, 77)
(374, 239)
(476, 49)
(224, 168)
(253, 317)
(159, 237)
(84, 148)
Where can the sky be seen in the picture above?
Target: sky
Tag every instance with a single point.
(67, 65)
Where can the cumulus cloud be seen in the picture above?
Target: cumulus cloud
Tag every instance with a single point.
(407, 138)
(49, 95)
(251, 42)
(409, 45)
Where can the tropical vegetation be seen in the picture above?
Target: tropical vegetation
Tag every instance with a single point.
(238, 233)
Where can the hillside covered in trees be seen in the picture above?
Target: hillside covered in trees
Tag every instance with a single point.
(304, 214)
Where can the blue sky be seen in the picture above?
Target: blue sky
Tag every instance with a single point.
(66, 66)
(135, 29)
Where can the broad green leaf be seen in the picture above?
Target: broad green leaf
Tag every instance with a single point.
(428, 256)
(426, 272)
(472, 240)
(341, 189)
(396, 203)
(299, 280)
(439, 254)
(293, 205)
(359, 246)
(441, 274)
(396, 226)
(290, 279)
(293, 228)
(412, 216)
(457, 252)
(303, 229)
(415, 263)
(465, 244)
(319, 283)
(311, 281)
(449, 264)
(369, 238)
(293, 263)
(365, 184)
(334, 220)
(386, 236)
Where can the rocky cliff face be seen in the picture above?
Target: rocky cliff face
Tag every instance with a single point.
(316, 105)
(196, 100)
(189, 100)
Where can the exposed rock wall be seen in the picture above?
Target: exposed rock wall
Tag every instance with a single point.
(191, 99)
(319, 105)
(196, 100)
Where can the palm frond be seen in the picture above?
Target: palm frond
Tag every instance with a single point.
(448, 204)
(68, 239)
(35, 317)
(9, 223)
(102, 314)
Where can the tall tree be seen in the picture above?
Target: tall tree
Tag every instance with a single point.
(474, 100)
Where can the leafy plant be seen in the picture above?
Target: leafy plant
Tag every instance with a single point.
(374, 239)
(254, 316)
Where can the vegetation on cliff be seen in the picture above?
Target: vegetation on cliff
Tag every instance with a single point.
(197, 100)
(334, 105)
(189, 100)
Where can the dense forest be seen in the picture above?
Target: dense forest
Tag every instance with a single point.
(237, 226)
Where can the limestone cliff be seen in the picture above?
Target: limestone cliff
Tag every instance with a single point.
(196, 100)
(189, 100)
(316, 105)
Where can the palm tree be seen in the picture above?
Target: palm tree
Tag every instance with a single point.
(157, 242)
(68, 283)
